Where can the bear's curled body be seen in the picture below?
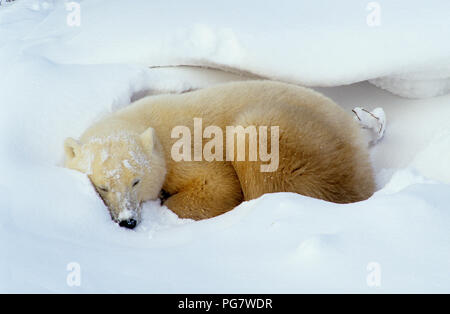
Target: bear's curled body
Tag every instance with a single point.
(321, 150)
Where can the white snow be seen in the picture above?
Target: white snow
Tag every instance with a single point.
(56, 80)
(125, 214)
(319, 43)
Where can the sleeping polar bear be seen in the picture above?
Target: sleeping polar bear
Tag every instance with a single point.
(133, 155)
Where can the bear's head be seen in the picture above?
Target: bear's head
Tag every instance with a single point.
(126, 169)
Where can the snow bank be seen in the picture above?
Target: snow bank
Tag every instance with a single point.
(320, 43)
(424, 84)
(56, 80)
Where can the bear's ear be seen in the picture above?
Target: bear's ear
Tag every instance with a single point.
(71, 147)
(148, 139)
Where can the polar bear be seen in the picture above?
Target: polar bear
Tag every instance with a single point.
(129, 155)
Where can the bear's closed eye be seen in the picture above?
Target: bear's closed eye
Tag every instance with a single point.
(103, 189)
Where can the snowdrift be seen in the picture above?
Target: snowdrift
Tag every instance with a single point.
(401, 46)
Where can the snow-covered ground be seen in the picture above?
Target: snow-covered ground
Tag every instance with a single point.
(56, 79)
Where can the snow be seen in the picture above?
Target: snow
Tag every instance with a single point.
(414, 88)
(125, 215)
(287, 41)
(57, 80)
(439, 169)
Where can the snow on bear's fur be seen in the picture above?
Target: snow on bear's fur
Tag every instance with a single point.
(127, 155)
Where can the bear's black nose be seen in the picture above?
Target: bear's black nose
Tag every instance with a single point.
(130, 223)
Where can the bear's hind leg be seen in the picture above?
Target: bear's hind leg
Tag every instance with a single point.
(373, 122)
(315, 158)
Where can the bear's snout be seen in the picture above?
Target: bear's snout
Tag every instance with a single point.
(129, 217)
(129, 223)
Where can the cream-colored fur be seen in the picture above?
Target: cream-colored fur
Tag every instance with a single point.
(321, 151)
